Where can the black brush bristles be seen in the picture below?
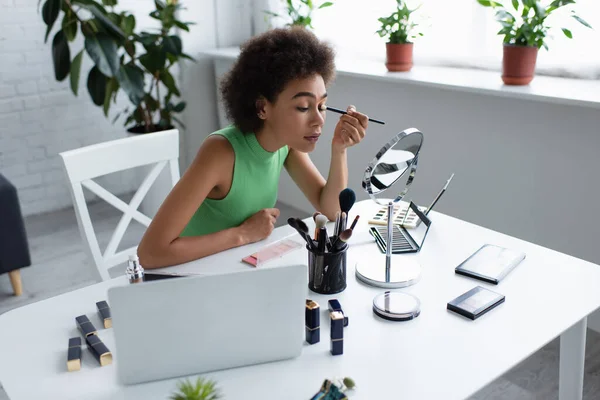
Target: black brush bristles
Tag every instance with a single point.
(347, 199)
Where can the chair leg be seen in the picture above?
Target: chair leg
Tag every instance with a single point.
(15, 281)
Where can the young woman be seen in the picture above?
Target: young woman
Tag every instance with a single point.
(275, 95)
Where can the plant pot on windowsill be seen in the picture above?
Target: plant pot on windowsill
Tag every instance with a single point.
(399, 57)
(518, 64)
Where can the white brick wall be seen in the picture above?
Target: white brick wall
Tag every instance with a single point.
(40, 117)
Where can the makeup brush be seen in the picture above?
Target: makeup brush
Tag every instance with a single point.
(337, 110)
(341, 239)
(347, 198)
(302, 229)
(320, 221)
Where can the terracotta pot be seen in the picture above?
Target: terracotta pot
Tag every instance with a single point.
(399, 57)
(518, 64)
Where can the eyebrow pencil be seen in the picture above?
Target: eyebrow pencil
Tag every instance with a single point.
(337, 110)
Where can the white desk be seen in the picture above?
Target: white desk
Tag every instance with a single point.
(439, 355)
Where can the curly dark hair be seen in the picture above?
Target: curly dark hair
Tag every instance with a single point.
(267, 63)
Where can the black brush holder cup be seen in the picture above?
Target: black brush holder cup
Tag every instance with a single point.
(327, 271)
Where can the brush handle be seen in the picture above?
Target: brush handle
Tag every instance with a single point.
(354, 222)
(337, 110)
(322, 240)
(336, 229)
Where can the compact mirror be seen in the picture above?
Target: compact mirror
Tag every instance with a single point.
(395, 165)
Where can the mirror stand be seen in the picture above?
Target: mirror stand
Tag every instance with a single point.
(399, 273)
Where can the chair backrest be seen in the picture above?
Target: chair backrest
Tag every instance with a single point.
(84, 164)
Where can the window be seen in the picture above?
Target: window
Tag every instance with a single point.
(462, 33)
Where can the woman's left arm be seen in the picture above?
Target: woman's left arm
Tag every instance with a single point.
(324, 195)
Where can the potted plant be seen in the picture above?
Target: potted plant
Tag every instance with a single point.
(299, 12)
(334, 389)
(137, 63)
(524, 35)
(400, 31)
(202, 389)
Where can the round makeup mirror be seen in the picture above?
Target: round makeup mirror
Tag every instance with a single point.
(395, 165)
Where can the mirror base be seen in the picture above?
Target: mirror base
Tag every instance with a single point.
(403, 272)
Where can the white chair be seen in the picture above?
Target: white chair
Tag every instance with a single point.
(84, 164)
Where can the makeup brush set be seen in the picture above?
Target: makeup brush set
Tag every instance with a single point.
(321, 242)
(327, 254)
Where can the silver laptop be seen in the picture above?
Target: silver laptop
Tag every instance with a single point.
(185, 326)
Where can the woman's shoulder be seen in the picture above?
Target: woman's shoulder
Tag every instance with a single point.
(216, 148)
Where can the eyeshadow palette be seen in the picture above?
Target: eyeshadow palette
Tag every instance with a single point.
(402, 240)
(476, 302)
(400, 243)
(400, 212)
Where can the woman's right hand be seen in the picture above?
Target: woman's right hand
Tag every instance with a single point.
(260, 225)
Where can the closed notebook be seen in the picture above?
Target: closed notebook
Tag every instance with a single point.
(490, 263)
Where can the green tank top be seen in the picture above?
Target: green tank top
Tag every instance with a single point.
(254, 185)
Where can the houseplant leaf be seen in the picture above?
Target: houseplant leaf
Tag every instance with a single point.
(182, 25)
(154, 60)
(172, 44)
(109, 2)
(131, 79)
(179, 107)
(103, 50)
(326, 4)
(582, 22)
(101, 16)
(61, 56)
(96, 85)
(50, 12)
(76, 72)
(128, 24)
(567, 33)
(112, 86)
(69, 25)
(167, 79)
(489, 3)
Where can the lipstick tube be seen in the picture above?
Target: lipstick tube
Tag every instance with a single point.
(104, 312)
(313, 322)
(85, 326)
(74, 354)
(334, 305)
(337, 333)
(99, 350)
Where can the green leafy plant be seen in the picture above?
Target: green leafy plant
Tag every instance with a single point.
(334, 389)
(202, 389)
(529, 27)
(137, 63)
(299, 12)
(399, 28)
